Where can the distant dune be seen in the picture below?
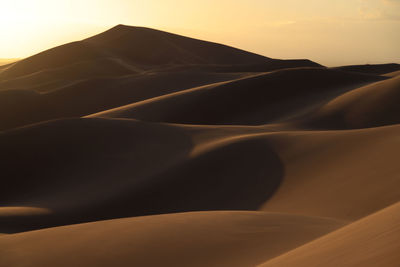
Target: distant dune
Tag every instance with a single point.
(138, 147)
(371, 68)
(143, 49)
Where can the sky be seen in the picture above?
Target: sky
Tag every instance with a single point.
(330, 32)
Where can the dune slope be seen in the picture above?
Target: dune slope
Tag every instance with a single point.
(144, 49)
(186, 239)
(256, 99)
(340, 174)
(89, 169)
(372, 241)
(70, 98)
(369, 106)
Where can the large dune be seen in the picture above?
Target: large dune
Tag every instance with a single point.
(138, 147)
(145, 49)
(118, 67)
(114, 161)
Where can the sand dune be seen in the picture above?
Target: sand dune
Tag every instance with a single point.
(253, 100)
(143, 48)
(372, 241)
(191, 161)
(52, 58)
(93, 72)
(189, 239)
(84, 97)
(339, 174)
(114, 161)
(236, 159)
(5, 62)
(81, 156)
(151, 47)
(393, 74)
(369, 106)
(68, 74)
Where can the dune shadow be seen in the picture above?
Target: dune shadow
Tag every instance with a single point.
(236, 176)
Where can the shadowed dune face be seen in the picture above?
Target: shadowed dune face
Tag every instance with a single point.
(53, 58)
(84, 97)
(51, 79)
(253, 100)
(106, 69)
(71, 163)
(237, 176)
(106, 170)
(84, 144)
(188, 239)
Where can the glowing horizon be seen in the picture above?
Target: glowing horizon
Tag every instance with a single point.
(329, 32)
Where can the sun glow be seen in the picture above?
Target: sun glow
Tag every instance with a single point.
(330, 32)
(28, 27)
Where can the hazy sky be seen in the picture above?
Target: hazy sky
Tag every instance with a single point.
(331, 32)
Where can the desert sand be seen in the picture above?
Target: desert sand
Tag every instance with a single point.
(138, 147)
(371, 241)
(6, 61)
